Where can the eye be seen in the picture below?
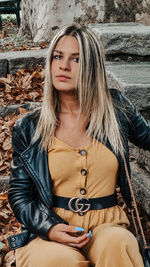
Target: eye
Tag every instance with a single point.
(76, 59)
(57, 57)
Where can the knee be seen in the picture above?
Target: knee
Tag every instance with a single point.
(70, 257)
(118, 235)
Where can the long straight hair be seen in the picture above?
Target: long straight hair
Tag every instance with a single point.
(95, 103)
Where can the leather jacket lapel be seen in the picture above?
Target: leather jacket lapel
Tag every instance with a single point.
(36, 164)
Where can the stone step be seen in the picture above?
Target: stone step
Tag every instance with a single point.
(12, 61)
(118, 39)
(133, 79)
(124, 38)
(4, 111)
(141, 186)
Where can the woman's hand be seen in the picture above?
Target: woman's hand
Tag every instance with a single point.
(63, 234)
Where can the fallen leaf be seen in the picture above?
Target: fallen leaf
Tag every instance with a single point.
(7, 143)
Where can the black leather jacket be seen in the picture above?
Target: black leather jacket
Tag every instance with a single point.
(30, 193)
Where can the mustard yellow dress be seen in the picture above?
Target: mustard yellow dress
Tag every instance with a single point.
(85, 172)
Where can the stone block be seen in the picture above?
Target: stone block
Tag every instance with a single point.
(4, 111)
(133, 80)
(23, 59)
(3, 68)
(141, 186)
(4, 183)
(142, 157)
(124, 38)
(24, 63)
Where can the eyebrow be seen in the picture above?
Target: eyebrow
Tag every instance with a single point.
(60, 52)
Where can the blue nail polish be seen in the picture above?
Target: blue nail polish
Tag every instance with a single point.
(79, 229)
(91, 235)
(88, 234)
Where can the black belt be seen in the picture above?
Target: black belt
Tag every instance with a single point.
(83, 204)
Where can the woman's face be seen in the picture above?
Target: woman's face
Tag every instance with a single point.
(65, 66)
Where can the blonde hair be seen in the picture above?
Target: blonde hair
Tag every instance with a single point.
(94, 98)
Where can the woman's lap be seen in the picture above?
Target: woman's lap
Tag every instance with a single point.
(111, 245)
(42, 253)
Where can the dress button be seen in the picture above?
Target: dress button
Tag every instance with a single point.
(13, 239)
(82, 191)
(13, 245)
(81, 213)
(83, 152)
(84, 172)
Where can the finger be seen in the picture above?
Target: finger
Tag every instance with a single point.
(80, 245)
(75, 240)
(84, 242)
(71, 229)
(67, 238)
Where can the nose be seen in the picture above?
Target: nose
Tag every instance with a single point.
(64, 64)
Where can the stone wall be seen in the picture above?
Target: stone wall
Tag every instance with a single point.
(42, 18)
(127, 11)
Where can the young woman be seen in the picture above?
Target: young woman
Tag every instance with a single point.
(67, 159)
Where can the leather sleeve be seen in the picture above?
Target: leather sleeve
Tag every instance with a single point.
(139, 128)
(135, 128)
(26, 202)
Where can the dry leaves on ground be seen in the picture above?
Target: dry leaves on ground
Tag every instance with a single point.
(26, 85)
(6, 125)
(8, 226)
(10, 40)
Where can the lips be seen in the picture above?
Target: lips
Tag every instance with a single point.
(63, 77)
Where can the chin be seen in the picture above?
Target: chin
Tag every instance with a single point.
(64, 89)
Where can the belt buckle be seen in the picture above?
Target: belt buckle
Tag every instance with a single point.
(78, 205)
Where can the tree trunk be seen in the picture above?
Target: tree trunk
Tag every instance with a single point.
(43, 18)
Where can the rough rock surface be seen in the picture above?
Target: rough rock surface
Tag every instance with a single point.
(133, 79)
(142, 158)
(4, 183)
(4, 111)
(141, 186)
(15, 60)
(3, 67)
(125, 38)
(129, 10)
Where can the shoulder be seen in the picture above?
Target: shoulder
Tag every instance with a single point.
(122, 103)
(118, 97)
(24, 129)
(28, 120)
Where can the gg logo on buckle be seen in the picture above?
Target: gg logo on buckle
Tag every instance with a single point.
(79, 206)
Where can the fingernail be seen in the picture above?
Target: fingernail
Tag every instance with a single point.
(88, 234)
(79, 229)
(91, 235)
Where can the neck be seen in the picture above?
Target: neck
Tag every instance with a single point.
(68, 102)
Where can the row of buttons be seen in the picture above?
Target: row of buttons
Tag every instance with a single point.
(84, 173)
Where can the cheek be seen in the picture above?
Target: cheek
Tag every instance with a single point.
(76, 72)
(53, 70)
